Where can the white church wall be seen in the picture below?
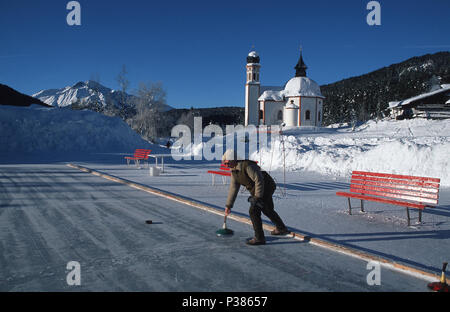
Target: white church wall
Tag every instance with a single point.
(319, 113)
(271, 112)
(308, 104)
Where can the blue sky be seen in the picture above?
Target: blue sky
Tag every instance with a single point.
(197, 49)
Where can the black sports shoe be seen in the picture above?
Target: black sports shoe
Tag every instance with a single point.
(254, 242)
(284, 231)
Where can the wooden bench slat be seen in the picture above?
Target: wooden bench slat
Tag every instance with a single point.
(397, 181)
(433, 190)
(397, 176)
(220, 172)
(383, 200)
(388, 191)
(397, 196)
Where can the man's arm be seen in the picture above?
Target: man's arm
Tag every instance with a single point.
(232, 193)
(255, 174)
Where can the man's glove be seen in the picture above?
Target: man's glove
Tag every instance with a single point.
(256, 202)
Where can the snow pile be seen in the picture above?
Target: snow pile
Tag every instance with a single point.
(410, 147)
(37, 129)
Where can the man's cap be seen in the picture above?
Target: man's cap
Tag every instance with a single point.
(230, 154)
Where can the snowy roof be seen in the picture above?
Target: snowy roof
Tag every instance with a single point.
(302, 86)
(271, 95)
(297, 86)
(253, 54)
(444, 88)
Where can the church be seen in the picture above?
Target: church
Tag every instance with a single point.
(298, 103)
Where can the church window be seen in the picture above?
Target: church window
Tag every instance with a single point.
(254, 76)
(280, 115)
(307, 115)
(318, 117)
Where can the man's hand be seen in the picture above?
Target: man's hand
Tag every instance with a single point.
(227, 211)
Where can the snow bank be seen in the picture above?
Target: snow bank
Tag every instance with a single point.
(411, 147)
(36, 129)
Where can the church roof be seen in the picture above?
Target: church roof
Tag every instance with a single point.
(297, 86)
(300, 68)
(253, 57)
(302, 86)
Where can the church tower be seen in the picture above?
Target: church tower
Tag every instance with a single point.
(300, 68)
(252, 88)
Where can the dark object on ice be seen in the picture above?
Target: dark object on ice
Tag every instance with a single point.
(149, 221)
(442, 285)
(168, 144)
(224, 231)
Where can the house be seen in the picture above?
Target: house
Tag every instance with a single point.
(434, 104)
(298, 103)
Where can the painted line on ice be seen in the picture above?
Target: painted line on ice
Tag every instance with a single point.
(296, 234)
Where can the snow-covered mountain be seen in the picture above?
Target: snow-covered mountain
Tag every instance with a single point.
(88, 94)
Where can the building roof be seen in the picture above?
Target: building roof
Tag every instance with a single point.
(444, 88)
(297, 86)
(253, 57)
(300, 68)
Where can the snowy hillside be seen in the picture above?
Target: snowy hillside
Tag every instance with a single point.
(411, 147)
(36, 129)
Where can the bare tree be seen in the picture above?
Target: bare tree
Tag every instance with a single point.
(150, 97)
(123, 82)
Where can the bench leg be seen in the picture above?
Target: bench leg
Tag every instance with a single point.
(420, 215)
(349, 206)
(212, 175)
(362, 205)
(128, 162)
(407, 215)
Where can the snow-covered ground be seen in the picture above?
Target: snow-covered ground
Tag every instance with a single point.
(411, 147)
(39, 130)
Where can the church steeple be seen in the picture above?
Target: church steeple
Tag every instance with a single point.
(300, 68)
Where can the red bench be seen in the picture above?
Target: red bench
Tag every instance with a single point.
(139, 154)
(400, 190)
(223, 171)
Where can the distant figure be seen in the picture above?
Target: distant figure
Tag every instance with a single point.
(168, 144)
